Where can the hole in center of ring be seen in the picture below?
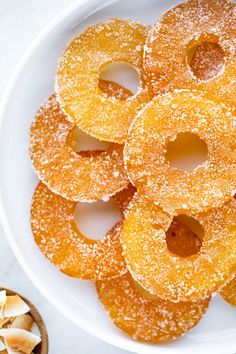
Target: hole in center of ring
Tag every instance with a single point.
(82, 142)
(206, 59)
(186, 152)
(95, 220)
(122, 74)
(184, 236)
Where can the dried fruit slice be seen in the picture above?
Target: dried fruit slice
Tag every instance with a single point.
(208, 185)
(229, 292)
(54, 230)
(85, 177)
(168, 275)
(173, 46)
(144, 318)
(77, 88)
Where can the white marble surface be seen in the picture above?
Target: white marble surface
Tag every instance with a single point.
(20, 22)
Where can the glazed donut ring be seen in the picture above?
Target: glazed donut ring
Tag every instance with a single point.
(209, 184)
(84, 177)
(55, 233)
(143, 318)
(168, 275)
(77, 88)
(229, 292)
(182, 29)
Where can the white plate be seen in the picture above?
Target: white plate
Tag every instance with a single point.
(31, 83)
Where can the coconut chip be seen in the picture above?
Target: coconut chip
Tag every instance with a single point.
(9, 351)
(25, 322)
(4, 322)
(2, 346)
(19, 340)
(15, 306)
(3, 299)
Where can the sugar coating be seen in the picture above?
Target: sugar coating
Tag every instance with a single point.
(113, 89)
(55, 233)
(143, 318)
(209, 184)
(103, 117)
(84, 177)
(228, 292)
(181, 28)
(170, 276)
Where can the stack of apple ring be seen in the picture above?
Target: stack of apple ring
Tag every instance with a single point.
(175, 247)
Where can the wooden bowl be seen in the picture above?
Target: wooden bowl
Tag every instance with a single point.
(42, 348)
